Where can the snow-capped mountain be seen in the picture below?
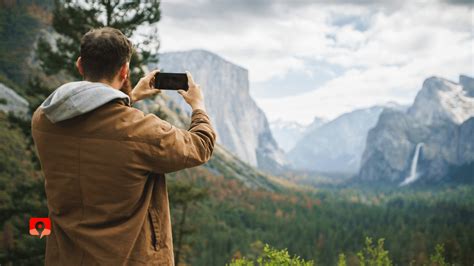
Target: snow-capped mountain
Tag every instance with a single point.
(288, 133)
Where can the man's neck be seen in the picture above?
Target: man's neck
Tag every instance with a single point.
(114, 84)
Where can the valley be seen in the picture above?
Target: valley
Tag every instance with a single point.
(402, 173)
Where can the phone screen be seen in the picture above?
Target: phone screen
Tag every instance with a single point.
(171, 81)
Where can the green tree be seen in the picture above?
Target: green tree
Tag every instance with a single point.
(183, 196)
(437, 259)
(273, 257)
(71, 19)
(341, 260)
(373, 255)
(18, 30)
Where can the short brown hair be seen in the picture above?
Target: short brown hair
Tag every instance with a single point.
(103, 52)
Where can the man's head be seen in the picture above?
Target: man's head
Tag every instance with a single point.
(105, 55)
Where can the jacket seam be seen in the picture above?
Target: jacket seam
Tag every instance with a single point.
(186, 159)
(196, 112)
(81, 194)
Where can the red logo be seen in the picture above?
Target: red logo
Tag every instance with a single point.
(40, 227)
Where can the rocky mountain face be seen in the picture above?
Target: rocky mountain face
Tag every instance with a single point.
(336, 146)
(441, 118)
(241, 125)
(10, 101)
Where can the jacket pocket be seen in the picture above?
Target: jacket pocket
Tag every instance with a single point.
(153, 228)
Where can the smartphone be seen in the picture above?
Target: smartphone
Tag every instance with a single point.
(171, 81)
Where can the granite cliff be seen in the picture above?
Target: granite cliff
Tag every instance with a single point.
(241, 125)
(442, 119)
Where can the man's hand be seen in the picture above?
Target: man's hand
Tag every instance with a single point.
(194, 95)
(145, 88)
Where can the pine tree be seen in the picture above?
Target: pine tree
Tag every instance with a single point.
(374, 255)
(183, 196)
(72, 19)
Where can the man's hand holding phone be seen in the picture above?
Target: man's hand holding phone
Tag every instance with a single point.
(145, 87)
(193, 96)
(154, 81)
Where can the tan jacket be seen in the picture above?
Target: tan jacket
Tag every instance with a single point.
(105, 184)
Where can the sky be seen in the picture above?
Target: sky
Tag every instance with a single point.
(308, 58)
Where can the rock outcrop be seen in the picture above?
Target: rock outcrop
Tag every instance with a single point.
(441, 118)
(10, 101)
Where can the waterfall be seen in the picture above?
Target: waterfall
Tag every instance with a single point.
(413, 174)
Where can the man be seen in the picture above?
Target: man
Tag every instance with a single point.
(104, 161)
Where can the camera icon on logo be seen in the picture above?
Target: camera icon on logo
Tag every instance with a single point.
(40, 227)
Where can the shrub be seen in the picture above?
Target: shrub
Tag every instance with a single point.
(373, 255)
(272, 256)
(342, 260)
(437, 259)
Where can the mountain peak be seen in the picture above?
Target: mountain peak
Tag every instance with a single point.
(435, 83)
(465, 78)
(318, 120)
(395, 106)
(280, 123)
(467, 84)
(441, 99)
(200, 54)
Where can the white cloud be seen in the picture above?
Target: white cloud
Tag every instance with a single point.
(385, 51)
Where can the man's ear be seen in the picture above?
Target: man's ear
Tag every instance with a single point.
(123, 74)
(79, 66)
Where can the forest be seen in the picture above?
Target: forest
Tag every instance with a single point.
(217, 219)
(321, 224)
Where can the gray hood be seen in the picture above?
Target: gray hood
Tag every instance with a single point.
(76, 98)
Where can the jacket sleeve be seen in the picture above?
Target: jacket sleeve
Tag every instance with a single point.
(175, 149)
